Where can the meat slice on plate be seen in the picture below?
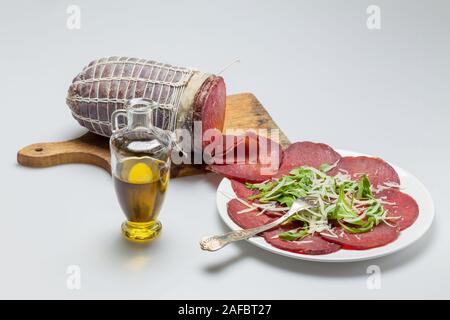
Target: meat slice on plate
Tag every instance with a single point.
(244, 193)
(256, 159)
(403, 210)
(246, 220)
(378, 170)
(307, 154)
(311, 244)
(241, 190)
(381, 235)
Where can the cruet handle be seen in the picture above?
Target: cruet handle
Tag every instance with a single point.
(115, 119)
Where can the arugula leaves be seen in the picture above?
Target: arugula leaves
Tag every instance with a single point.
(364, 189)
(293, 235)
(325, 167)
(350, 203)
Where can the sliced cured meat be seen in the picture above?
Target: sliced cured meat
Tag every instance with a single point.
(381, 235)
(404, 208)
(262, 149)
(244, 172)
(246, 220)
(312, 244)
(248, 148)
(307, 154)
(241, 190)
(378, 170)
(256, 160)
(223, 150)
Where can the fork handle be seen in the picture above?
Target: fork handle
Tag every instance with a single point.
(214, 243)
(217, 242)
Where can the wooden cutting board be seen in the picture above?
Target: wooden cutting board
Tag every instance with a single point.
(243, 111)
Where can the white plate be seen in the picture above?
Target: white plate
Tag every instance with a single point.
(409, 184)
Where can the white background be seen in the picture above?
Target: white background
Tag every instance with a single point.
(313, 64)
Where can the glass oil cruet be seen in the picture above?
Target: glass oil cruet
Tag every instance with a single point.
(140, 166)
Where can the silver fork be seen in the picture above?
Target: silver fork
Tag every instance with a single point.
(214, 243)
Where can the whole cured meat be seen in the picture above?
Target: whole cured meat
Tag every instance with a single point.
(307, 154)
(209, 104)
(378, 170)
(259, 161)
(312, 244)
(403, 210)
(107, 83)
(246, 220)
(380, 235)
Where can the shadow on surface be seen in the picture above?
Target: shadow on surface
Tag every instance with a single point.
(134, 256)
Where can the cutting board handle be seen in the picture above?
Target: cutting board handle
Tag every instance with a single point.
(89, 149)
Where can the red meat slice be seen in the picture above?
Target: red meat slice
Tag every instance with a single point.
(257, 160)
(307, 154)
(248, 148)
(223, 150)
(262, 150)
(241, 190)
(381, 235)
(243, 172)
(405, 207)
(246, 220)
(312, 244)
(378, 170)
